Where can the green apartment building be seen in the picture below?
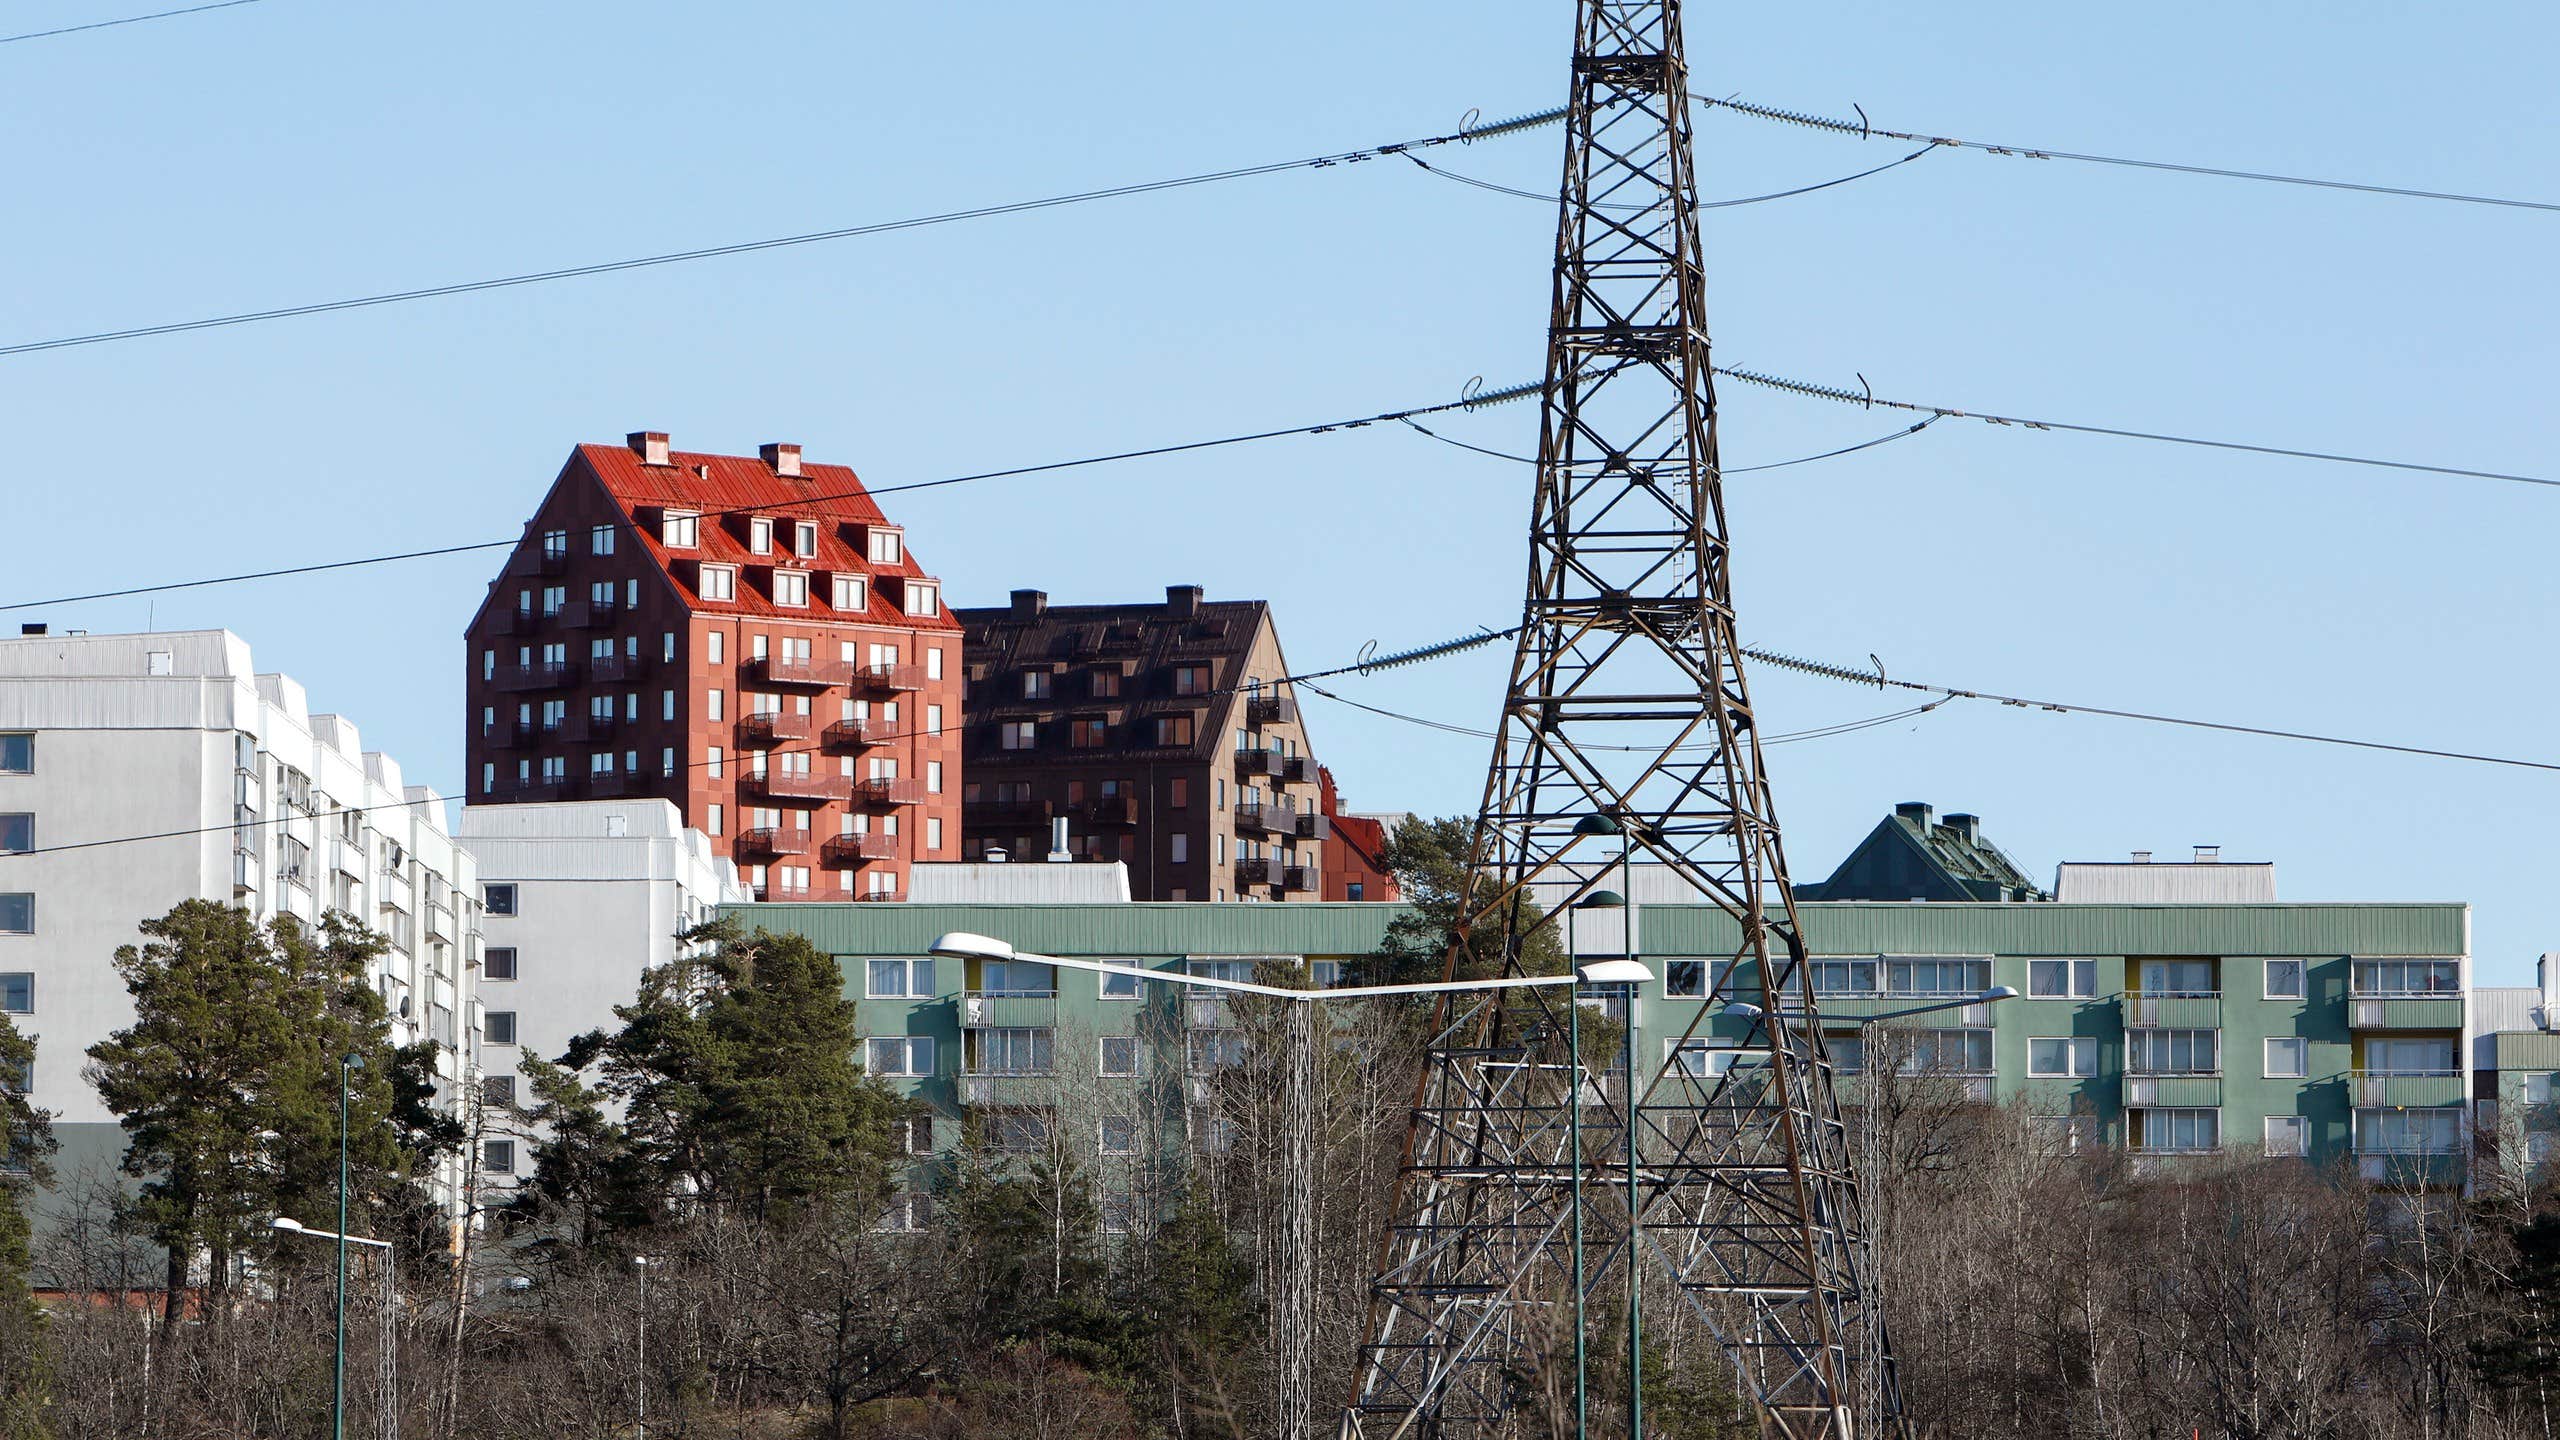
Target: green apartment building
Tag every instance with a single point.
(2333, 1032)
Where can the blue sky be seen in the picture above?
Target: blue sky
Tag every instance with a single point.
(291, 151)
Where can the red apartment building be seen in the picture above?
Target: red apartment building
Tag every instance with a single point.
(746, 636)
(1355, 865)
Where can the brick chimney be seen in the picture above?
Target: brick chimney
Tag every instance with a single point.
(649, 445)
(1917, 812)
(781, 459)
(1969, 827)
(1030, 604)
(1182, 601)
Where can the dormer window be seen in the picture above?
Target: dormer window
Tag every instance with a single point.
(717, 582)
(923, 598)
(679, 529)
(791, 587)
(760, 535)
(1035, 684)
(886, 546)
(852, 594)
(804, 537)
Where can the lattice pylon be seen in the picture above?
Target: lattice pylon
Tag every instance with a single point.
(1626, 700)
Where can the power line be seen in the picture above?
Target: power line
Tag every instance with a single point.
(1363, 666)
(882, 227)
(1862, 130)
(1904, 433)
(1861, 397)
(1475, 402)
(127, 20)
(1704, 205)
(1819, 732)
(1851, 675)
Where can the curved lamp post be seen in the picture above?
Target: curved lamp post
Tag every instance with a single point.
(286, 1224)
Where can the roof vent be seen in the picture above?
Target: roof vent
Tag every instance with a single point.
(2141, 857)
(33, 628)
(2208, 854)
(649, 445)
(781, 459)
(1915, 811)
(1182, 601)
(1030, 604)
(996, 855)
(1968, 827)
(1058, 849)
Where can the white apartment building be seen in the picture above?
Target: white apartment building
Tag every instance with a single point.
(138, 771)
(581, 896)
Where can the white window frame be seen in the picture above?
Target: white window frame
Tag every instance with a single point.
(2297, 1137)
(1102, 1056)
(2301, 979)
(851, 593)
(791, 588)
(680, 529)
(909, 1048)
(2080, 1057)
(2267, 1057)
(2080, 978)
(1132, 970)
(1102, 1136)
(717, 582)
(907, 980)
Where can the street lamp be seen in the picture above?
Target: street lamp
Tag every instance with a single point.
(965, 945)
(641, 1263)
(348, 1064)
(1870, 1137)
(287, 1225)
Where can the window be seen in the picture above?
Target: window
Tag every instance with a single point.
(1088, 734)
(1119, 1056)
(712, 705)
(804, 537)
(2284, 982)
(2176, 977)
(1684, 977)
(555, 544)
(1181, 847)
(1931, 977)
(933, 664)
(1173, 729)
(600, 540)
(913, 1135)
(2408, 1132)
(933, 777)
(1703, 1059)
(1215, 1049)
(791, 587)
(718, 582)
(2173, 1052)
(17, 914)
(18, 753)
(679, 529)
(1844, 977)
(1190, 679)
(498, 899)
(711, 817)
(1124, 985)
(1949, 1052)
(1020, 734)
(499, 1090)
(1103, 684)
(17, 992)
(852, 594)
(498, 1157)
(882, 545)
(900, 980)
(1178, 793)
(932, 832)
(2062, 979)
(1119, 1137)
(499, 1027)
(908, 1214)
(498, 962)
(2285, 1136)
(933, 719)
(2408, 977)
(714, 643)
(923, 599)
(2287, 1058)
(2064, 1134)
(1848, 1050)
(898, 1055)
(1021, 1050)
(760, 535)
(1035, 685)
(2074, 1055)
(2176, 1132)
(17, 834)
(2408, 1057)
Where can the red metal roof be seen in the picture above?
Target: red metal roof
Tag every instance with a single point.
(832, 495)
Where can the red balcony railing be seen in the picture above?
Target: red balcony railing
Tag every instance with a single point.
(891, 677)
(768, 727)
(852, 734)
(888, 791)
(797, 785)
(854, 849)
(790, 670)
(613, 669)
(882, 897)
(538, 788)
(773, 840)
(550, 676)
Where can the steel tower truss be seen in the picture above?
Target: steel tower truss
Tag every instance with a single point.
(1626, 700)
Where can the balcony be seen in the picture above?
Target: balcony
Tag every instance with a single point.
(1006, 1087)
(440, 924)
(1009, 1009)
(347, 857)
(888, 790)
(2406, 1089)
(613, 784)
(772, 727)
(804, 785)
(518, 622)
(854, 734)
(1008, 812)
(1303, 879)
(1314, 826)
(1111, 810)
(1207, 1012)
(515, 734)
(773, 840)
(554, 562)
(785, 894)
(795, 670)
(890, 677)
(616, 669)
(539, 787)
(1258, 762)
(1263, 710)
(2426, 1010)
(2173, 1091)
(1298, 768)
(572, 613)
(562, 729)
(1255, 872)
(854, 849)
(550, 675)
(1270, 819)
(2178, 1010)
(601, 612)
(880, 897)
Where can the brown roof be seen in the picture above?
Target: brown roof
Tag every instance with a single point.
(1144, 636)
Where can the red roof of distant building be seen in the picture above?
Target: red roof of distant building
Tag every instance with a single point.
(726, 490)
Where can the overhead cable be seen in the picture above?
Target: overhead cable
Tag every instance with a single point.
(1448, 174)
(463, 795)
(1472, 402)
(1861, 397)
(1852, 675)
(1861, 129)
(1904, 433)
(812, 237)
(127, 20)
(1819, 732)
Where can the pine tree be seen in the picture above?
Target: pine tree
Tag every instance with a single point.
(26, 1140)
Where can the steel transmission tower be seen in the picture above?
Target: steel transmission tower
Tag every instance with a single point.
(1626, 701)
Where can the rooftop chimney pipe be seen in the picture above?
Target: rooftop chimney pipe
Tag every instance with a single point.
(33, 628)
(1058, 851)
(996, 855)
(1968, 826)
(2141, 857)
(2208, 854)
(1182, 601)
(1915, 811)
(1030, 604)
(781, 459)
(649, 445)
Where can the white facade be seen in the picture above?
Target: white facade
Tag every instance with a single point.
(247, 798)
(581, 896)
(1006, 882)
(2206, 880)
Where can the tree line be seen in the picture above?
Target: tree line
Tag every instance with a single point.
(701, 1243)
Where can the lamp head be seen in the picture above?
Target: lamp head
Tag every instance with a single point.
(963, 945)
(1744, 1010)
(1613, 972)
(284, 1222)
(519, 1282)
(1595, 825)
(1601, 900)
(1999, 992)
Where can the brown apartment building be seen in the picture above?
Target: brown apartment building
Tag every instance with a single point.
(746, 636)
(1159, 732)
